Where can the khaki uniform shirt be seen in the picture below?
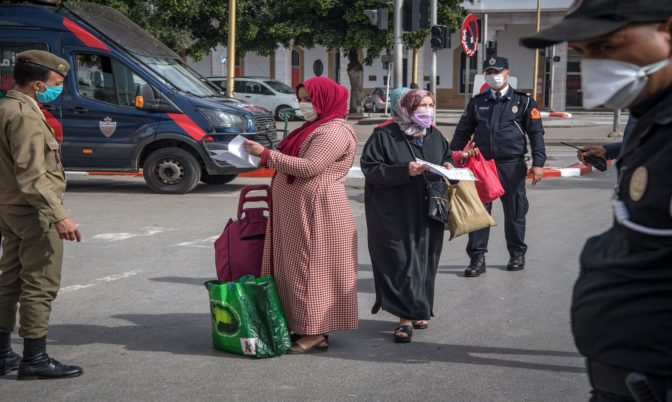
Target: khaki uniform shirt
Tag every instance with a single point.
(31, 172)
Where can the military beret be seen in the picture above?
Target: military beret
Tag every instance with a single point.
(45, 59)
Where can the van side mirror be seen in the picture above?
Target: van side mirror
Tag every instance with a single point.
(146, 99)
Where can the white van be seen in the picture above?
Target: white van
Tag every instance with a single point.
(273, 95)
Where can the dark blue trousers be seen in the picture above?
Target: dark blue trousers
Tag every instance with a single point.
(512, 174)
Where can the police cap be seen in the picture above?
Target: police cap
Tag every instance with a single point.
(496, 63)
(44, 59)
(588, 19)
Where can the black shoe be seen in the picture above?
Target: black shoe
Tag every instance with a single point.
(8, 359)
(37, 364)
(516, 263)
(476, 266)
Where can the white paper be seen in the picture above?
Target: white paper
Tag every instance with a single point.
(451, 174)
(237, 155)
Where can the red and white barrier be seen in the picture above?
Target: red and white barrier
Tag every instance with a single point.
(561, 115)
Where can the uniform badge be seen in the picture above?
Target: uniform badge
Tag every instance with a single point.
(492, 62)
(61, 68)
(638, 183)
(514, 109)
(534, 113)
(107, 126)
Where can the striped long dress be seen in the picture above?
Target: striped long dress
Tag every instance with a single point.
(313, 239)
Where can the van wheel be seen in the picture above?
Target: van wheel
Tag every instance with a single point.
(217, 179)
(171, 171)
(285, 112)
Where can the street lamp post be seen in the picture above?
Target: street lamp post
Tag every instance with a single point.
(231, 49)
(536, 55)
(398, 43)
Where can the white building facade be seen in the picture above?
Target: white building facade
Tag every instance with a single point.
(505, 22)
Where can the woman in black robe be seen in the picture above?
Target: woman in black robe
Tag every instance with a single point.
(404, 243)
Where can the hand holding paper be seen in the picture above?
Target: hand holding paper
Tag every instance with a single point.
(237, 155)
(451, 174)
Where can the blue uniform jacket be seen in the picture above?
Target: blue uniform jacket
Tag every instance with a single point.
(500, 127)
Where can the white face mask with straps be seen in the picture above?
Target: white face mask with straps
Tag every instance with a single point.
(614, 84)
(308, 111)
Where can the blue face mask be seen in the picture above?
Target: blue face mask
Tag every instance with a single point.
(50, 93)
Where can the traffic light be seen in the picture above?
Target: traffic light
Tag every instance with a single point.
(415, 15)
(491, 49)
(440, 37)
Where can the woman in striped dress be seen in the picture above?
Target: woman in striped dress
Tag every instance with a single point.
(311, 243)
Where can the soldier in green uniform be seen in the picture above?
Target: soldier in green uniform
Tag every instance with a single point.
(622, 301)
(32, 218)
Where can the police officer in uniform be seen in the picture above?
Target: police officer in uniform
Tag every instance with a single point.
(622, 301)
(500, 119)
(32, 218)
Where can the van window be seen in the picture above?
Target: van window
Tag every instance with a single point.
(106, 80)
(8, 52)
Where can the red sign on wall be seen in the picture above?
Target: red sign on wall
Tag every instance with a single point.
(469, 35)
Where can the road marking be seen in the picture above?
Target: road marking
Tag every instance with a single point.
(198, 243)
(99, 281)
(149, 231)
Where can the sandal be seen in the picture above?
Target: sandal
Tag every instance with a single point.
(295, 337)
(420, 324)
(318, 347)
(407, 332)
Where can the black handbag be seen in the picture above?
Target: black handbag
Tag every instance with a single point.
(438, 203)
(437, 195)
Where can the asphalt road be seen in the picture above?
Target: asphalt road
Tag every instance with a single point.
(134, 312)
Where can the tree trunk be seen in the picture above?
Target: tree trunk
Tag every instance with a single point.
(356, 76)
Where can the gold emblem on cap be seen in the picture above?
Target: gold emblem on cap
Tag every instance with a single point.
(638, 183)
(492, 62)
(61, 67)
(514, 109)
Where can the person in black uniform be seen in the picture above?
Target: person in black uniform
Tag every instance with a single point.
(499, 119)
(622, 302)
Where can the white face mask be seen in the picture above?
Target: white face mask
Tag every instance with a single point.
(495, 81)
(612, 83)
(308, 111)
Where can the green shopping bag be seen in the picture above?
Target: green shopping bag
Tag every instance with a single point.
(247, 317)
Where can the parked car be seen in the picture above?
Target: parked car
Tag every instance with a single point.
(375, 100)
(129, 103)
(273, 95)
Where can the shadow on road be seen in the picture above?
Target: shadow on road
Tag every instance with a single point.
(376, 337)
(183, 334)
(136, 186)
(182, 280)
(190, 334)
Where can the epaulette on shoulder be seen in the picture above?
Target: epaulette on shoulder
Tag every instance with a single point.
(481, 94)
(522, 93)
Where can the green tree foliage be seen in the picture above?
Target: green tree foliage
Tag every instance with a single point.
(194, 27)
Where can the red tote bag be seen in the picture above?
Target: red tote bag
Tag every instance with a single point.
(488, 186)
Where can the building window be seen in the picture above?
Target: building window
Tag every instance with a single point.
(372, 77)
(573, 86)
(318, 68)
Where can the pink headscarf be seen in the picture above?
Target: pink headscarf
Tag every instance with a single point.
(330, 101)
(404, 111)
